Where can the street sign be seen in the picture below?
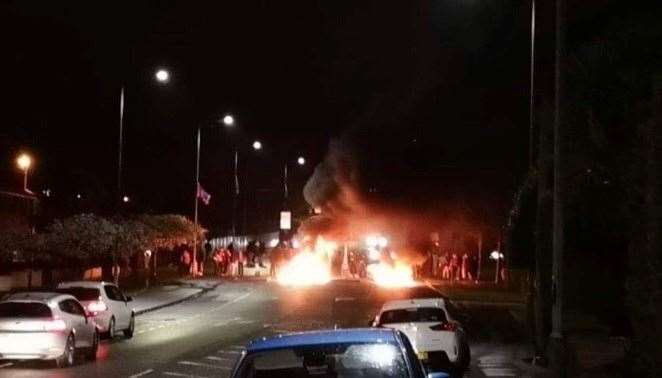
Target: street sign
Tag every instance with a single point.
(285, 220)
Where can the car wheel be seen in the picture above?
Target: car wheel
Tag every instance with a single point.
(110, 334)
(92, 355)
(464, 359)
(68, 356)
(132, 325)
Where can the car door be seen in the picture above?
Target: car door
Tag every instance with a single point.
(87, 325)
(76, 320)
(118, 306)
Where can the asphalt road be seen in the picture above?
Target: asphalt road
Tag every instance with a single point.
(203, 337)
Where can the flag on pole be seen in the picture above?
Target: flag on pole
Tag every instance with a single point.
(203, 195)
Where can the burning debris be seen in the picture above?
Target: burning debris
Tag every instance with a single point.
(309, 266)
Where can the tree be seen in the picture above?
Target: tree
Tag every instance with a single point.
(84, 237)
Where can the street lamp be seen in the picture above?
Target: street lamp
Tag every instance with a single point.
(301, 160)
(228, 120)
(162, 76)
(24, 161)
(257, 145)
(125, 199)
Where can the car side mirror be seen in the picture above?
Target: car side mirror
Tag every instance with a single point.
(129, 298)
(438, 374)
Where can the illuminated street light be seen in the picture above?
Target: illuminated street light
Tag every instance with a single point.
(301, 160)
(162, 76)
(228, 120)
(78, 196)
(125, 199)
(257, 145)
(24, 161)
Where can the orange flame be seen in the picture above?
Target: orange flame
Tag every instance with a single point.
(309, 267)
(398, 275)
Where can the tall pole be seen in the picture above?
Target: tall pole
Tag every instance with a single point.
(532, 86)
(120, 146)
(556, 337)
(25, 179)
(118, 195)
(195, 211)
(285, 178)
(235, 197)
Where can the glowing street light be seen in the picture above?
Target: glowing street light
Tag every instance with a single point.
(301, 160)
(257, 145)
(228, 120)
(162, 76)
(125, 199)
(24, 161)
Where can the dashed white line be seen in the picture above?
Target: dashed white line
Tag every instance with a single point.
(6, 365)
(148, 371)
(214, 358)
(503, 372)
(229, 351)
(175, 374)
(241, 297)
(200, 364)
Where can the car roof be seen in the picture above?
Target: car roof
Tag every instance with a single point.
(89, 284)
(36, 296)
(323, 337)
(414, 303)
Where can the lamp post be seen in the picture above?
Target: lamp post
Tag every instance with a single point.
(228, 121)
(301, 161)
(24, 161)
(162, 76)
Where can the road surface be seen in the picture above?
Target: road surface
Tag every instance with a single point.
(202, 337)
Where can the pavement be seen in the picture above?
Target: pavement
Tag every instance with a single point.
(207, 322)
(157, 297)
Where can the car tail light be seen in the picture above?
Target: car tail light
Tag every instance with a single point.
(452, 327)
(97, 306)
(55, 325)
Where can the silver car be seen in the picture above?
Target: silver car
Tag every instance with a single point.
(46, 326)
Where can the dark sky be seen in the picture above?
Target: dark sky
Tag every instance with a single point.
(436, 92)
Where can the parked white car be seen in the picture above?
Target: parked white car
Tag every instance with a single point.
(104, 301)
(46, 326)
(437, 337)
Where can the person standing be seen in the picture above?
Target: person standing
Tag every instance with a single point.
(185, 262)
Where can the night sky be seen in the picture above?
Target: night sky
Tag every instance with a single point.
(435, 93)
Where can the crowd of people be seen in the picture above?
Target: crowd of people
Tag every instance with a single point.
(450, 266)
(226, 260)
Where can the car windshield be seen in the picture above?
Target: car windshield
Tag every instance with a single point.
(81, 293)
(337, 360)
(409, 315)
(24, 310)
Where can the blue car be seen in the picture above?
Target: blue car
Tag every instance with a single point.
(341, 353)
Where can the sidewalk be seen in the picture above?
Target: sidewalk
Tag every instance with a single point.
(157, 297)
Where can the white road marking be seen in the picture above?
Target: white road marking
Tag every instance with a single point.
(175, 374)
(229, 351)
(200, 364)
(148, 371)
(226, 322)
(241, 297)
(214, 358)
(6, 365)
(241, 347)
(503, 372)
